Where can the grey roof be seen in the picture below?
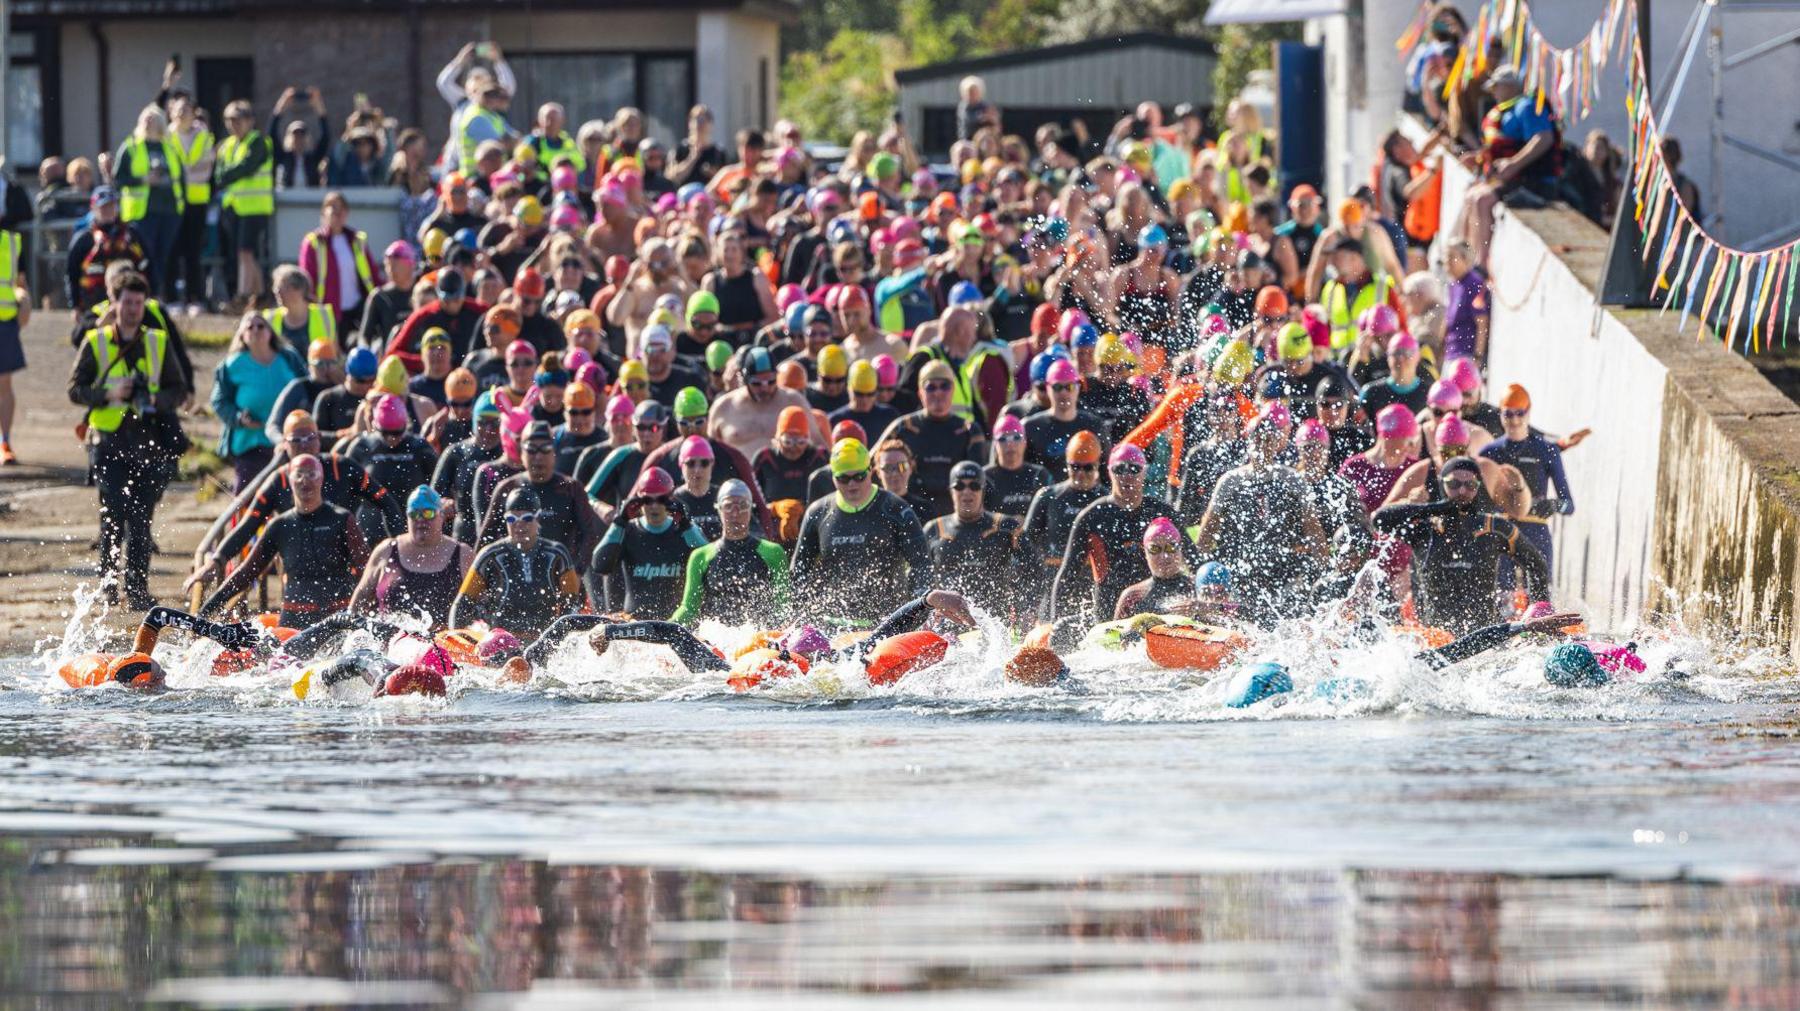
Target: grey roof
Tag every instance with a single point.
(1042, 54)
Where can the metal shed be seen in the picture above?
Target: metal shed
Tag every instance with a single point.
(1097, 80)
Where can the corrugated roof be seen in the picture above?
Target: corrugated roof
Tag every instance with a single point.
(1020, 57)
(223, 8)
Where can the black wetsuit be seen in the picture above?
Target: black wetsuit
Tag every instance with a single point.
(569, 447)
(427, 593)
(1457, 549)
(977, 559)
(564, 514)
(322, 554)
(335, 410)
(860, 564)
(702, 510)
(937, 445)
(781, 478)
(347, 486)
(1121, 406)
(617, 472)
(1047, 437)
(1201, 469)
(819, 400)
(454, 479)
(1046, 534)
(739, 582)
(874, 421)
(652, 562)
(399, 469)
(1105, 554)
(1260, 511)
(518, 590)
(489, 476)
(1348, 441)
(1011, 491)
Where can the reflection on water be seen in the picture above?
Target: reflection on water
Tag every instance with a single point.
(96, 921)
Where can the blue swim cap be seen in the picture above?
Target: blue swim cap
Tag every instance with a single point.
(485, 406)
(1085, 336)
(361, 364)
(840, 230)
(689, 191)
(1257, 682)
(1212, 574)
(468, 238)
(964, 293)
(1572, 665)
(1057, 351)
(1057, 229)
(1153, 235)
(796, 316)
(423, 497)
(1040, 368)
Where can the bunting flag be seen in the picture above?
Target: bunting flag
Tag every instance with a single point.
(1746, 297)
(1566, 79)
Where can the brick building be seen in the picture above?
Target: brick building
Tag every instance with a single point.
(81, 69)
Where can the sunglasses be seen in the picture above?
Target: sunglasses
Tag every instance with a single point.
(460, 405)
(1458, 483)
(966, 486)
(1085, 468)
(1127, 469)
(523, 363)
(422, 514)
(653, 426)
(539, 448)
(1005, 439)
(703, 327)
(698, 462)
(578, 412)
(654, 500)
(637, 384)
(1162, 548)
(1064, 386)
(514, 518)
(1514, 414)
(938, 386)
(832, 380)
(854, 477)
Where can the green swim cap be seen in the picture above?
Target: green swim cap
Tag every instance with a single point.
(848, 457)
(1572, 665)
(690, 403)
(1294, 342)
(884, 166)
(702, 301)
(718, 354)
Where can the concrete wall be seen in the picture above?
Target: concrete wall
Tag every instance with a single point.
(1120, 78)
(137, 51)
(735, 53)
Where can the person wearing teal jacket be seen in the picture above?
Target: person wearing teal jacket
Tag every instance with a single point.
(738, 578)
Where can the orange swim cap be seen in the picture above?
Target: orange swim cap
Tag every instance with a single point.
(580, 396)
(135, 670)
(460, 385)
(1035, 666)
(895, 658)
(793, 421)
(1516, 398)
(791, 375)
(1083, 448)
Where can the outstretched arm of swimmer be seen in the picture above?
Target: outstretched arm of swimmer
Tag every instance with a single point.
(1401, 519)
(239, 635)
(910, 617)
(695, 655)
(314, 639)
(1483, 639)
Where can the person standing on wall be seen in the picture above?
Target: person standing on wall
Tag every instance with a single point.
(245, 178)
(131, 386)
(146, 170)
(336, 258)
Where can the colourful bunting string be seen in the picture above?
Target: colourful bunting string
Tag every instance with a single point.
(1565, 78)
(1746, 296)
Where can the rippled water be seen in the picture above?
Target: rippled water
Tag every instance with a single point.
(622, 833)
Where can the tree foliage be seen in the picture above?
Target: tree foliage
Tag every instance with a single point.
(1085, 19)
(1242, 49)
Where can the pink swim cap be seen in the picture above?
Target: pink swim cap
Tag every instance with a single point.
(1464, 374)
(619, 406)
(1275, 414)
(653, 481)
(1403, 342)
(787, 295)
(904, 228)
(562, 177)
(1444, 396)
(1071, 320)
(1313, 319)
(1378, 320)
(1125, 453)
(1312, 430)
(566, 216)
(1009, 425)
(390, 414)
(496, 644)
(1161, 529)
(887, 371)
(1215, 326)
(591, 374)
(1396, 421)
(1062, 371)
(806, 641)
(1451, 431)
(695, 447)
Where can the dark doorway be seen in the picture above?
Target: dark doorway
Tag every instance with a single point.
(221, 80)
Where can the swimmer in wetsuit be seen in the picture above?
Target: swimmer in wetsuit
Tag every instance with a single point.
(520, 583)
(1168, 586)
(1102, 557)
(738, 578)
(647, 545)
(1458, 544)
(1052, 514)
(418, 572)
(1539, 462)
(321, 549)
(861, 551)
(973, 550)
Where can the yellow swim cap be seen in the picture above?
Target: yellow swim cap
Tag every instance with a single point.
(1235, 363)
(1112, 351)
(390, 377)
(633, 369)
(833, 363)
(849, 456)
(863, 377)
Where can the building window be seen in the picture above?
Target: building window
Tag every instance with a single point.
(595, 85)
(24, 100)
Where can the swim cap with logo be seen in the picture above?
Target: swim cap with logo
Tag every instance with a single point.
(849, 457)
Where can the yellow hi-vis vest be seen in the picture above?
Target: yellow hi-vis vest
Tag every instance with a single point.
(9, 276)
(466, 144)
(359, 253)
(254, 195)
(134, 200)
(200, 193)
(1343, 311)
(561, 146)
(112, 366)
(321, 323)
(965, 399)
